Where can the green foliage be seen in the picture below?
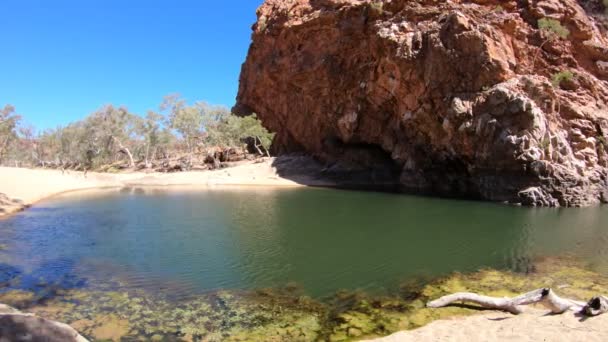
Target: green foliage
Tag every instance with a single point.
(100, 139)
(559, 77)
(186, 120)
(111, 136)
(499, 9)
(207, 125)
(230, 130)
(553, 28)
(8, 133)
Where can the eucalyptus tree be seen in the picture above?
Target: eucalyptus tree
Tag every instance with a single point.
(8, 129)
(214, 119)
(186, 120)
(251, 126)
(150, 130)
(24, 149)
(107, 135)
(226, 129)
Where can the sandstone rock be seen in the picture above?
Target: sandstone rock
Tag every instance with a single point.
(445, 93)
(602, 68)
(20, 327)
(604, 196)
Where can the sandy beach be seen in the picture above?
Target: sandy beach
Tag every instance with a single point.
(532, 326)
(21, 187)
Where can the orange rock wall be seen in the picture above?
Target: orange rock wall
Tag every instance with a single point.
(449, 97)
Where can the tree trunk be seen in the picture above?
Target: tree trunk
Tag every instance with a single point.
(189, 147)
(126, 151)
(147, 153)
(257, 146)
(4, 148)
(154, 154)
(546, 297)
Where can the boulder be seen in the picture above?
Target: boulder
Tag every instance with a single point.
(16, 326)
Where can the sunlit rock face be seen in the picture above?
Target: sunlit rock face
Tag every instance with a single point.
(450, 97)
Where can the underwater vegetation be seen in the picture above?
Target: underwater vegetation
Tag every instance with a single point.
(285, 314)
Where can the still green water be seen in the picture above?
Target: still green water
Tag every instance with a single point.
(196, 240)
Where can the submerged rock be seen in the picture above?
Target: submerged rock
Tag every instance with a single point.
(286, 314)
(446, 97)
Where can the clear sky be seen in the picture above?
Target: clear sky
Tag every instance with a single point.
(62, 59)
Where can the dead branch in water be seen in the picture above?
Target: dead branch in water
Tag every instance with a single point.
(547, 297)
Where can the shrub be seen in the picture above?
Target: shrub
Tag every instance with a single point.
(553, 27)
(559, 77)
(229, 131)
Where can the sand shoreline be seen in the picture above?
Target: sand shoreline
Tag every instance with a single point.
(24, 187)
(531, 326)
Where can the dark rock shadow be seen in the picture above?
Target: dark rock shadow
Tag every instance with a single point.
(343, 174)
(469, 307)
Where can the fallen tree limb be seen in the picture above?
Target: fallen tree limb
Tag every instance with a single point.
(546, 297)
(596, 306)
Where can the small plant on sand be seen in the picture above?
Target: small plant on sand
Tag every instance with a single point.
(561, 76)
(499, 9)
(551, 30)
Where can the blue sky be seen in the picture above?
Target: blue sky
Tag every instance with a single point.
(62, 59)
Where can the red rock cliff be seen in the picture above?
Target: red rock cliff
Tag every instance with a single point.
(454, 97)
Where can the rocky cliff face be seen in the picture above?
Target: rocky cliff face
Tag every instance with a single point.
(449, 97)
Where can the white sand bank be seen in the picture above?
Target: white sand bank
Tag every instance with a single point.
(532, 326)
(27, 186)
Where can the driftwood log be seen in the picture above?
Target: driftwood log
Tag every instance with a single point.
(547, 297)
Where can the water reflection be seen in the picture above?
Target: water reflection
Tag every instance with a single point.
(194, 240)
(581, 232)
